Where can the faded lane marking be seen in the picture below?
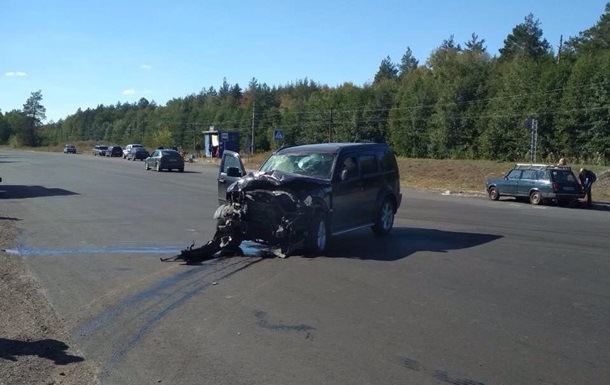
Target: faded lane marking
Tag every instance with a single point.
(25, 252)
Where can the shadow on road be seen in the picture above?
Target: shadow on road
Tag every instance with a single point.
(7, 159)
(49, 349)
(22, 192)
(9, 219)
(597, 205)
(402, 242)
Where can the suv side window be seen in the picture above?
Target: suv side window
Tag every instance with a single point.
(514, 175)
(543, 175)
(350, 164)
(529, 174)
(368, 164)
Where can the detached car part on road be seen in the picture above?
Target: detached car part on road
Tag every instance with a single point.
(537, 182)
(303, 195)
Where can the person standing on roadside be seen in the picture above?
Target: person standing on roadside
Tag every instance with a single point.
(587, 178)
(562, 162)
(198, 149)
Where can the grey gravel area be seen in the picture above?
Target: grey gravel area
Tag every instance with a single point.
(35, 347)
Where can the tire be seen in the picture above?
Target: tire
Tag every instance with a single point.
(317, 236)
(158, 167)
(181, 169)
(147, 166)
(494, 194)
(385, 218)
(535, 198)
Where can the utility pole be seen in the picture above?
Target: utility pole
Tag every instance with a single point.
(560, 47)
(534, 140)
(330, 127)
(532, 125)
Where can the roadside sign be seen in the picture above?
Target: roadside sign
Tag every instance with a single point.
(278, 135)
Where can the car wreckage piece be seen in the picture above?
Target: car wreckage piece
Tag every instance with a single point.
(274, 209)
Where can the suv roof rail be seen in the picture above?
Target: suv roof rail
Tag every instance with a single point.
(539, 166)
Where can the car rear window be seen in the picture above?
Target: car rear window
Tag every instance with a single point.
(563, 176)
(171, 154)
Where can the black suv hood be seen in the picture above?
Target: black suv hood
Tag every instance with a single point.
(273, 179)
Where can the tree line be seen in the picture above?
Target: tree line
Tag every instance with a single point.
(462, 103)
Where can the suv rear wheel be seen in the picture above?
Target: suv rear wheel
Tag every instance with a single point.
(385, 218)
(535, 198)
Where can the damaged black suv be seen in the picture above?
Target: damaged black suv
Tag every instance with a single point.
(303, 195)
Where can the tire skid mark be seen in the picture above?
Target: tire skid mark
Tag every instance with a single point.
(170, 294)
(262, 319)
(439, 375)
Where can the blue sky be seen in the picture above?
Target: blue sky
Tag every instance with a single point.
(86, 53)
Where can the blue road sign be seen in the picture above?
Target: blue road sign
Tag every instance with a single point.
(278, 135)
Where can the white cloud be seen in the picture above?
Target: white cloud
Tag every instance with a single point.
(15, 73)
(129, 91)
(145, 66)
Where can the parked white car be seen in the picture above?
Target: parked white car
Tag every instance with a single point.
(128, 148)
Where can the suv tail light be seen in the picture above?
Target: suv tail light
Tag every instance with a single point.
(555, 188)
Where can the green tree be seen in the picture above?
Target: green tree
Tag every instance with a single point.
(475, 45)
(584, 124)
(5, 129)
(409, 119)
(387, 70)
(526, 38)
(594, 39)
(408, 62)
(35, 113)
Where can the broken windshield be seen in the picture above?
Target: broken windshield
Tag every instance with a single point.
(311, 165)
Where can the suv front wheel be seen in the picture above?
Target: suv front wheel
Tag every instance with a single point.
(317, 236)
(385, 218)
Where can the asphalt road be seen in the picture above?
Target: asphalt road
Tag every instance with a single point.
(465, 291)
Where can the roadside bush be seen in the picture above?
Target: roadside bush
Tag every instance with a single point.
(14, 141)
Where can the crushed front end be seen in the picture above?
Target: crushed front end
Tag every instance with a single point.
(273, 209)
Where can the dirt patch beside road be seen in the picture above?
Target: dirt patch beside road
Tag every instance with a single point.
(35, 348)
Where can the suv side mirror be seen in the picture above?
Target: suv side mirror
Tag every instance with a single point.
(344, 174)
(233, 172)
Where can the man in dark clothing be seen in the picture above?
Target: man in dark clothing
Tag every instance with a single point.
(587, 177)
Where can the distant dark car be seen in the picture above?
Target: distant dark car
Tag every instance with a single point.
(100, 149)
(165, 159)
(114, 151)
(69, 149)
(537, 182)
(137, 153)
(303, 195)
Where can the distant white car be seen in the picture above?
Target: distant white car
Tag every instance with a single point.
(128, 148)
